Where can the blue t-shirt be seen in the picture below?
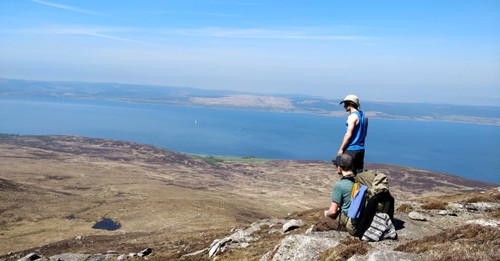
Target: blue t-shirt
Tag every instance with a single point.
(357, 141)
(341, 194)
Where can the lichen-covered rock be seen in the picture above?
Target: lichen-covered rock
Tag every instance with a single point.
(241, 237)
(301, 247)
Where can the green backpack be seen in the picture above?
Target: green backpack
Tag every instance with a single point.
(378, 198)
(376, 182)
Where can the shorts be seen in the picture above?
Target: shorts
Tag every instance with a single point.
(358, 160)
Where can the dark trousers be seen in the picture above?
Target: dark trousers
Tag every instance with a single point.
(327, 223)
(358, 160)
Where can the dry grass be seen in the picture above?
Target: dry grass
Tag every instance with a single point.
(494, 213)
(435, 205)
(492, 195)
(469, 242)
(405, 208)
(346, 249)
(489, 196)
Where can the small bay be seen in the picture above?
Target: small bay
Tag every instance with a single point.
(467, 150)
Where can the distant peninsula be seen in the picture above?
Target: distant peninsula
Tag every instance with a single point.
(187, 96)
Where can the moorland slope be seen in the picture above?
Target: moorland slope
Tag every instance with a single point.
(54, 189)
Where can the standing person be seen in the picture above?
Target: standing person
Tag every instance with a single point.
(353, 142)
(335, 218)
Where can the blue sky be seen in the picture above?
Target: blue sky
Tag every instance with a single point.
(404, 51)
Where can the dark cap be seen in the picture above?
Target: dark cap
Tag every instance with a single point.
(343, 161)
(336, 160)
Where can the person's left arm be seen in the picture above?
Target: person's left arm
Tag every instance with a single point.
(366, 118)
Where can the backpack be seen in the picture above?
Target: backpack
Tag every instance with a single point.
(371, 196)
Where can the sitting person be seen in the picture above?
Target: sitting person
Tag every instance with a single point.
(335, 218)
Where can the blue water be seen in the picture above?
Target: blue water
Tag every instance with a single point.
(467, 150)
(107, 224)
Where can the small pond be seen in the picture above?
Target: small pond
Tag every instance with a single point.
(107, 224)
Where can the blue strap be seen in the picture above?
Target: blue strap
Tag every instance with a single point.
(357, 203)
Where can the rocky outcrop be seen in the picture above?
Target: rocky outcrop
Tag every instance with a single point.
(417, 224)
(241, 238)
(302, 247)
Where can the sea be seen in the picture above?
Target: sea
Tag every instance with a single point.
(467, 150)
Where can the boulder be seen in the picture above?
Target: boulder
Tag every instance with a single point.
(292, 224)
(145, 252)
(31, 256)
(417, 216)
(301, 247)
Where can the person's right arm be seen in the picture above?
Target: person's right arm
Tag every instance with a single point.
(351, 123)
(333, 210)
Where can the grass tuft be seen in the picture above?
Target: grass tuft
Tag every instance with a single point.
(405, 208)
(434, 205)
(346, 249)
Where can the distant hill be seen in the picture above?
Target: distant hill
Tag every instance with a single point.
(186, 96)
(53, 189)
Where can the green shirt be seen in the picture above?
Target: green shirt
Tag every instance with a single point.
(341, 194)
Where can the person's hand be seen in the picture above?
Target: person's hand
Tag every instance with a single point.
(325, 213)
(340, 152)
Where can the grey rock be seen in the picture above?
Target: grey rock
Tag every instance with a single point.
(31, 256)
(484, 222)
(301, 247)
(218, 246)
(145, 252)
(417, 216)
(292, 224)
(446, 213)
(456, 206)
(482, 206)
(199, 252)
(384, 255)
(122, 257)
(76, 257)
(241, 236)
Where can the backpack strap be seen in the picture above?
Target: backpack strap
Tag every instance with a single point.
(354, 189)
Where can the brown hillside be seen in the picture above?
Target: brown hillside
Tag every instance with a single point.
(55, 188)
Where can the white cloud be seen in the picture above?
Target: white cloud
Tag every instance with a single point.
(65, 7)
(257, 33)
(100, 32)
